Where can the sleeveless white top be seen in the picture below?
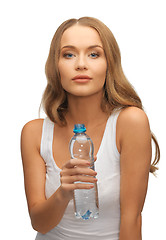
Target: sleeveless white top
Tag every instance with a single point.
(107, 166)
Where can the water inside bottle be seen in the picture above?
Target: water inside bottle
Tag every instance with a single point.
(86, 203)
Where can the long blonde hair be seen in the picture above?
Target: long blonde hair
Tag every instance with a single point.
(118, 92)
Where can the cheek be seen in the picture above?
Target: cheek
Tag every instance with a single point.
(64, 69)
(101, 71)
(63, 72)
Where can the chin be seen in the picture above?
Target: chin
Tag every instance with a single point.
(85, 93)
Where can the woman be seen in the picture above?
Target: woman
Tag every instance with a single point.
(86, 84)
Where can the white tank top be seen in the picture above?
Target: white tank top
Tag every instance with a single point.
(107, 166)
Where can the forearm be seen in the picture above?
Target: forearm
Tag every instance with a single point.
(130, 228)
(46, 215)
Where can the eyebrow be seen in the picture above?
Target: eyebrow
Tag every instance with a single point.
(73, 47)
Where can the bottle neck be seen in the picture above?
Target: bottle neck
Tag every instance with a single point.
(80, 133)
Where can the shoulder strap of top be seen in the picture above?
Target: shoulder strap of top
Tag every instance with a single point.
(113, 123)
(46, 140)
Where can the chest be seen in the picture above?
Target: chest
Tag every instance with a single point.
(61, 140)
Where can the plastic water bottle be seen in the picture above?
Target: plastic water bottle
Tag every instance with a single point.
(85, 200)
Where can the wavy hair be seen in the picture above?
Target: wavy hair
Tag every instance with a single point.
(118, 92)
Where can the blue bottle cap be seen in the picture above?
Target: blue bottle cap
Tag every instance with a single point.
(78, 128)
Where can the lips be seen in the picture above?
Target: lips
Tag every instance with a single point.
(81, 78)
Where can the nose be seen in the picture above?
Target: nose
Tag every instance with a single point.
(81, 63)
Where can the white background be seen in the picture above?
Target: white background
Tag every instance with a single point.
(27, 28)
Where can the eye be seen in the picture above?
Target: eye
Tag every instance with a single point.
(94, 55)
(68, 55)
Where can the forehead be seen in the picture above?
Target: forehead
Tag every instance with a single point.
(80, 36)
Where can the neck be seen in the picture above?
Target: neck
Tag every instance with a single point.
(85, 110)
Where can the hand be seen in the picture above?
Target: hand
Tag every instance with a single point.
(73, 173)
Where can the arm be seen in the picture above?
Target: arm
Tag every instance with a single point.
(45, 213)
(135, 148)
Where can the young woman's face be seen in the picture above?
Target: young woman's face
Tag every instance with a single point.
(82, 62)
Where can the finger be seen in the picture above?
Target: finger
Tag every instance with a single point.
(71, 187)
(78, 178)
(83, 186)
(76, 162)
(78, 171)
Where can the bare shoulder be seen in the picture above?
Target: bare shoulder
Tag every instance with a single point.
(132, 117)
(33, 125)
(32, 131)
(132, 122)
